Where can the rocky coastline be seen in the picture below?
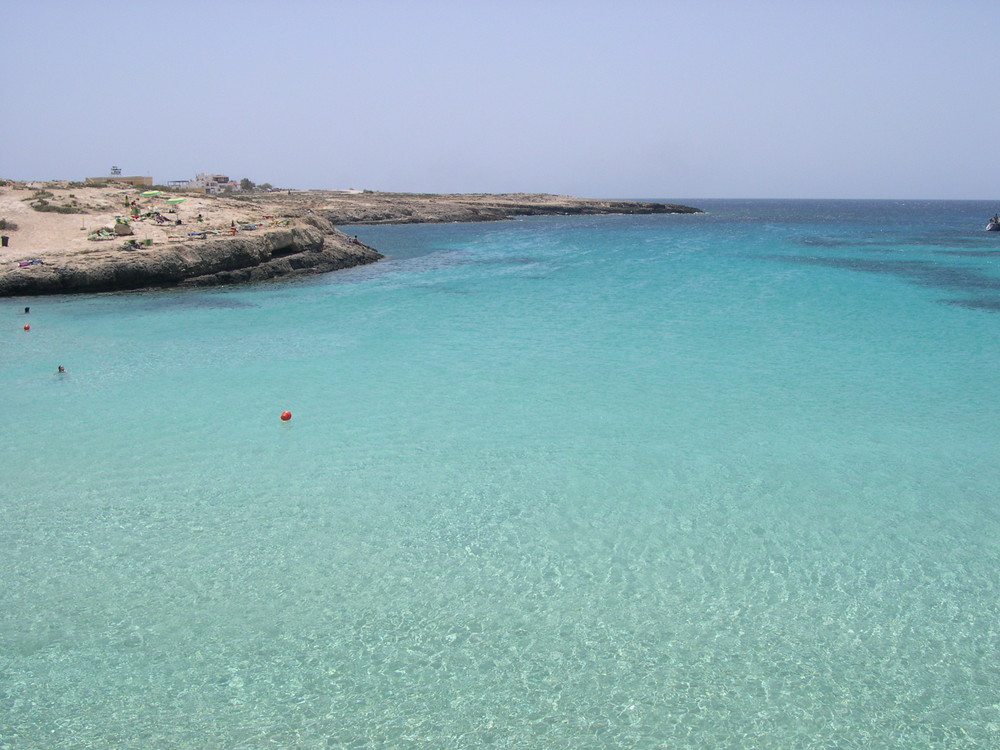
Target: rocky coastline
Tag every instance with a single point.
(415, 208)
(267, 255)
(216, 240)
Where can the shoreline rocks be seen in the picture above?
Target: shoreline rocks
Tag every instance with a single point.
(267, 254)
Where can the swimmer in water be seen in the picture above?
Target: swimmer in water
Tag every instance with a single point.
(60, 371)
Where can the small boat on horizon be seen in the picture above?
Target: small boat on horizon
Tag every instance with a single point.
(994, 224)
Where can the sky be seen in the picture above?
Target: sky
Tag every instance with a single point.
(615, 99)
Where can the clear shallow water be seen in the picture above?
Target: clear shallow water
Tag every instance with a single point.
(674, 481)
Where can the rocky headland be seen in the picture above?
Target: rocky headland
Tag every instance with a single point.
(66, 237)
(355, 207)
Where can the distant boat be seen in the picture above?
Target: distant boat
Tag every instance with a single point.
(994, 225)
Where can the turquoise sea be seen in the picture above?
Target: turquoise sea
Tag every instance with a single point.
(712, 481)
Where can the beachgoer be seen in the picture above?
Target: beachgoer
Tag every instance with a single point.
(61, 370)
(27, 310)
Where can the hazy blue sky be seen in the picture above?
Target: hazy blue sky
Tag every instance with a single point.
(839, 98)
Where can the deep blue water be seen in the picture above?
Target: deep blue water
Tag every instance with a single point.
(721, 480)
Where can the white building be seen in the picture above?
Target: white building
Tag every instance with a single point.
(210, 183)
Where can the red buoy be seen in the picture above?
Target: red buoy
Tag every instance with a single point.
(285, 416)
(27, 327)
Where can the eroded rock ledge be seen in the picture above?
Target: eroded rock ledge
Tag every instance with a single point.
(265, 254)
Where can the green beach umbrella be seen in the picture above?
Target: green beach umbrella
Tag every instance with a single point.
(150, 193)
(175, 201)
